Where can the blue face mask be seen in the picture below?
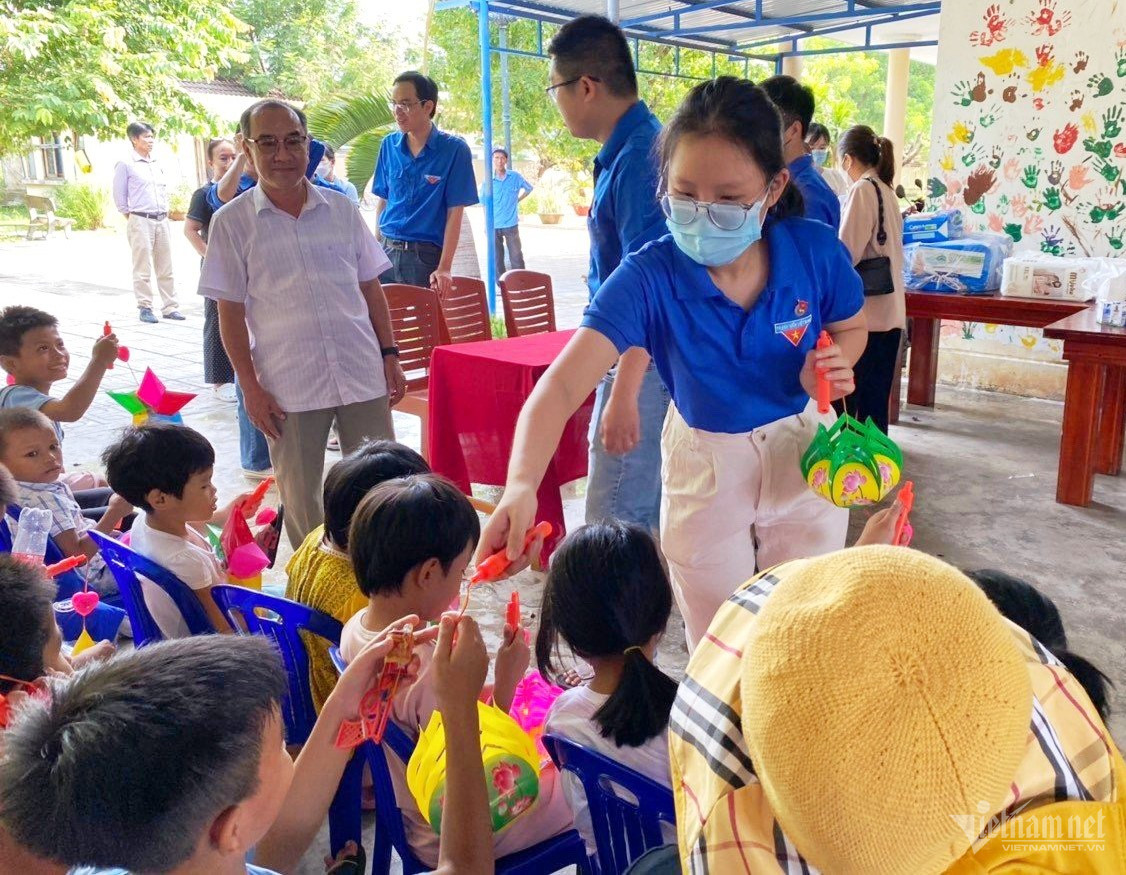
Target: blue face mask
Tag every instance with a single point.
(710, 246)
(820, 156)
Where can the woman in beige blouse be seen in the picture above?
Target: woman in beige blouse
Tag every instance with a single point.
(869, 162)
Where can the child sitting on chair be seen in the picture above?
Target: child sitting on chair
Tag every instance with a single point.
(165, 470)
(607, 596)
(320, 572)
(410, 541)
(30, 450)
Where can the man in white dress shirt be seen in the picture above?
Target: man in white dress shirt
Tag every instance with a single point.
(295, 270)
(140, 193)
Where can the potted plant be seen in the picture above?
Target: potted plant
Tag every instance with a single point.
(582, 193)
(546, 201)
(178, 201)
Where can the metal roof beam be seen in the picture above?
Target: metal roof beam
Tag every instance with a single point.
(873, 47)
(857, 15)
(894, 18)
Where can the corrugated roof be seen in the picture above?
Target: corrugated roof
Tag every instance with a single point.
(227, 87)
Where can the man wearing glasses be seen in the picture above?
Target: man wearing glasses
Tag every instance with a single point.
(595, 87)
(295, 272)
(423, 183)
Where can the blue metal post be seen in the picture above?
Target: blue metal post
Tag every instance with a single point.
(487, 146)
(505, 98)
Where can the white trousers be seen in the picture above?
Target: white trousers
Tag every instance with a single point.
(151, 244)
(734, 503)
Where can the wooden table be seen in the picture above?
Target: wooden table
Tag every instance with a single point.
(1094, 410)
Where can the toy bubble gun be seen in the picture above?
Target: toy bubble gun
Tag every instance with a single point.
(823, 342)
(375, 707)
(260, 492)
(68, 564)
(512, 612)
(498, 563)
(903, 529)
(122, 351)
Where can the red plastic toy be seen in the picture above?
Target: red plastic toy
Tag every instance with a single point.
(512, 612)
(498, 563)
(122, 351)
(375, 707)
(824, 341)
(68, 564)
(906, 499)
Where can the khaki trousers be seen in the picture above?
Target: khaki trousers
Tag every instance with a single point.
(298, 456)
(152, 254)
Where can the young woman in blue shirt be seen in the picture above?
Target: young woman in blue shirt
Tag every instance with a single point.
(729, 305)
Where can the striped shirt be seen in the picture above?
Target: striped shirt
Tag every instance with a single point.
(56, 496)
(311, 336)
(140, 186)
(724, 819)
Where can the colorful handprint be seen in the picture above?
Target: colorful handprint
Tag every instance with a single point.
(1100, 85)
(1064, 139)
(1082, 59)
(1112, 122)
(973, 156)
(1046, 72)
(1055, 173)
(1031, 177)
(1051, 199)
(1014, 231)
(1077, 178)
(995, 26)
(1100, 148)
(1076, 101)
(1114, 238)
(935, 188)
(1120, 61)
(988, 118)
(1006, 61)
(1012, 169)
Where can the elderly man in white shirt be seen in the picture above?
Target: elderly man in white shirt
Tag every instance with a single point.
(140, 193)
(295, 270)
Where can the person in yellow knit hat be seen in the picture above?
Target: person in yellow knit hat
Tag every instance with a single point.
(870, 711)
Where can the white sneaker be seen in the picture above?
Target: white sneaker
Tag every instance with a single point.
(257, 475)
(226, 393)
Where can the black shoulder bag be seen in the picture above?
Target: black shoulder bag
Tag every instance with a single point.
(875, 273)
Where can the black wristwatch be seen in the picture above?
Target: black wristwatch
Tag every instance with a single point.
(389, 350)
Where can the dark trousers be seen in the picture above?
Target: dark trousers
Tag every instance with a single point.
(412, 266)
(511, 237)
(217, 367)
(875, 371)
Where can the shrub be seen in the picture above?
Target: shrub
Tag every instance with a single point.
(86, 204)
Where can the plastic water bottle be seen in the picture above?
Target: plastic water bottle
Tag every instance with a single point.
(30, 544)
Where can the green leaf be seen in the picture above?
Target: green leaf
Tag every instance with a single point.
(362, 153)
(339, 120)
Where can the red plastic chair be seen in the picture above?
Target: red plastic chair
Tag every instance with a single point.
(466, 311)
(529, 306)
(416, 322)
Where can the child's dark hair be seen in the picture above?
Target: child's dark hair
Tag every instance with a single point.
(794, 100)
(1023, 604)
(9, 491)
(871, 150)
(18, 418)
(741, 113)
(159, 455)
(25, 614)
(174, 729)
(404, 522)
(607, 595)
(350, 479)
(818, 131)
(591, 45)
(16, 321)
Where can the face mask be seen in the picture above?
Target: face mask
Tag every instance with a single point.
(820, 156)
(710, 246)
(324, 169)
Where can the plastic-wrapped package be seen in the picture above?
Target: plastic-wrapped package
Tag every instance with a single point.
(929, 227)
(1040, 275)
(1111, 313)
(971, 264)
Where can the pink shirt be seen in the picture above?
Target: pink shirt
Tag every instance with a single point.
(311, 337)
(859, 225)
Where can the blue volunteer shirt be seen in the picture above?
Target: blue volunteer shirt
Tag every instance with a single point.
(625, 213)
(821, 202)
(420, 189)
(506, 196)
(728, 370)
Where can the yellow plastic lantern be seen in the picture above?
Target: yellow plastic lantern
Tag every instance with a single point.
(852, 464)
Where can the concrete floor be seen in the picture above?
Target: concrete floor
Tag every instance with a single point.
(984, 464)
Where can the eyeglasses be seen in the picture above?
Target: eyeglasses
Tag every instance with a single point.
(404, 105)
(292, 143)
(552, 91)
(726, 217)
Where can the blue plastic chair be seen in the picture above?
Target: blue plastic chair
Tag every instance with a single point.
(624, 828)
(125, 564)
(567, 849)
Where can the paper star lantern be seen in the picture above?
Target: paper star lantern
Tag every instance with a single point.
(151, 400)
(851, 463)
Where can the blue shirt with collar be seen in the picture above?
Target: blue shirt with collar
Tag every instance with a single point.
(506, 197)
(419, 189)
(625, 213)
(821, 202)
(730, 370)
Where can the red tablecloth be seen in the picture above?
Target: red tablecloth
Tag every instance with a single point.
(476, 393)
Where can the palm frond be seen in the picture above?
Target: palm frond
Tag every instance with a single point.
(362, 153)
(339, 120)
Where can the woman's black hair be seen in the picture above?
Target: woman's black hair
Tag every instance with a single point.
(871, 150)
(607, 595)
(740, 112)
(818, 131)
(1023, 604)
(354, 476)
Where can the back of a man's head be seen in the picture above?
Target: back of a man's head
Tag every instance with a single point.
(794, 100)
(131, 761)
(591, 45)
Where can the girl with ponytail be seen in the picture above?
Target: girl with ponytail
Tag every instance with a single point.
(872, 230)
(608, 599)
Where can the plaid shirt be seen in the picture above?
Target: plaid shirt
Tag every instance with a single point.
(724, 819)
(56, 497)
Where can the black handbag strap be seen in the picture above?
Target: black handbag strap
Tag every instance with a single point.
(881, 234)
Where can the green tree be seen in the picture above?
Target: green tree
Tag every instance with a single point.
(358, 122)
(93, 66)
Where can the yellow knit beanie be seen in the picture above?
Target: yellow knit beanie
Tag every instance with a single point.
(883, 696)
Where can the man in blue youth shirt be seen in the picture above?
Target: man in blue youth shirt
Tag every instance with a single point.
(795, 103)
(595, 87)
(423, 183)
(509, 188)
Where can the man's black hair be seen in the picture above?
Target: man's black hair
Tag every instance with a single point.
(136, 129)
(794, 100)
(269, 103)
(25, 617)
(158, 455)
(425, 88)
(591, 45)
(16, 321)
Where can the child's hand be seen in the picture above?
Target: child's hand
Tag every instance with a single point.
(118, 508)
(459, 666)
(268, 539)
(832, 363)
(100, 652)
(880, 528)
(512, 663)
(105, 350)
